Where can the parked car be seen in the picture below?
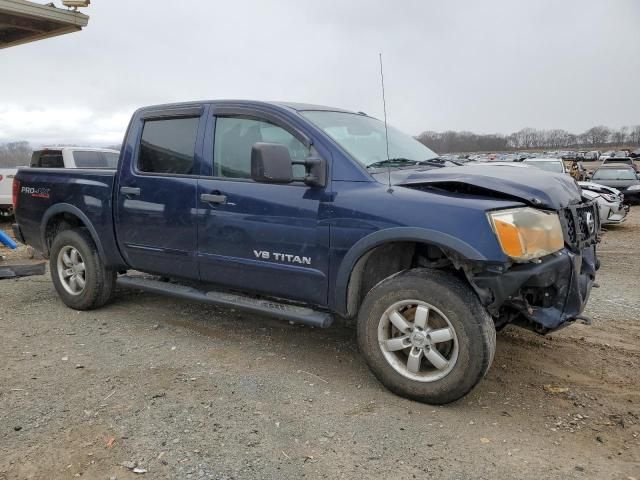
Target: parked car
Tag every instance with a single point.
(510, 157)
(611, 205)
(6, 183)
(621, 161)
(498, 164)
(75, 157)
(592, 156)
(306, 213)
(621, 177)
(555, 165)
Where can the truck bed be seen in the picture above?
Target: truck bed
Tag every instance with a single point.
(45, 195)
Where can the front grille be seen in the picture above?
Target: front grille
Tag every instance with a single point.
(581, 225)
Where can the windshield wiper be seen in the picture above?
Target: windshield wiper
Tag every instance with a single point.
(392, 162)
(436, 161)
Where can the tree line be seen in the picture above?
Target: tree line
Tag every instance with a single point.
(599, 137)
(15, 154)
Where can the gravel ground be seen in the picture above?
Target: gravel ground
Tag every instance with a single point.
(191, 391)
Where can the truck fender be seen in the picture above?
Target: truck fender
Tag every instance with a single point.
(391, 235)
(75, 211)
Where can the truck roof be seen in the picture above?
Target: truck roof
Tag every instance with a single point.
(290, 105)
(84, 149)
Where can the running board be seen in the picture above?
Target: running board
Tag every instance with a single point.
(269, 308)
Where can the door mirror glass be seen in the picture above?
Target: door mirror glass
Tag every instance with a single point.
(271, 163)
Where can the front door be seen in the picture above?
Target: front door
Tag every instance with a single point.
(256, 237)
(156, 199)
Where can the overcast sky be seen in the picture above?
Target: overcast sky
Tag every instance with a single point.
(486, 66)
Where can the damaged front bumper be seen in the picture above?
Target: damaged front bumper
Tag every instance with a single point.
(543, 296)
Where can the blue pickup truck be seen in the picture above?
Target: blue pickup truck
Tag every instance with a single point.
(309, 213)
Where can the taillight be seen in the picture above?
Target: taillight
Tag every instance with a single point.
(16, 191)
(1, 177)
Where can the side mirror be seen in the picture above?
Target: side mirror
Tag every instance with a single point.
(271, 163)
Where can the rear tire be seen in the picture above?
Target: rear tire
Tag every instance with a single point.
(79, 276)
(442, 338)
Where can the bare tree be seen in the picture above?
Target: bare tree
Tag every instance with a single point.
(619, 136)
(634, 135)
(597, 136)
(15, 154)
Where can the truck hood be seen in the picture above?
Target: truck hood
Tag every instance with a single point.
(532, 186)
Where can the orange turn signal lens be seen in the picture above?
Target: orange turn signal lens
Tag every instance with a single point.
(526, 233)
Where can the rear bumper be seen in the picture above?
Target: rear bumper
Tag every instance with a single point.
(545, 296)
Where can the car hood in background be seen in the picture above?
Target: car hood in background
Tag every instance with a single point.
(535, 187)
(598, 187)
(619, 184)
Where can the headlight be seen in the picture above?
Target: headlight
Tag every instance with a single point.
(527, 233)
(633, 188)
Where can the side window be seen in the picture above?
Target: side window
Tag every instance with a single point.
(168, 146)
(110, 159)
(235, 137)
(84, 159)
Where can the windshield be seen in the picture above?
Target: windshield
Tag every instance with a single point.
(364, 139)
(614, 174)
(548, 166)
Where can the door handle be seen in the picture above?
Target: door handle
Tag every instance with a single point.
(213, 198)
(129, 191)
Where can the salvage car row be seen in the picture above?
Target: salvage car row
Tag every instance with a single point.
(615, 184)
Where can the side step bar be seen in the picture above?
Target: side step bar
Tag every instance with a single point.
(269, 308)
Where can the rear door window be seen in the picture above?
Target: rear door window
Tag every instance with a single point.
(168, 146)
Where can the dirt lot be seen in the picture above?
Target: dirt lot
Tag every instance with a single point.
(185, 390)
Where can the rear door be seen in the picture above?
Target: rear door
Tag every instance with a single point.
(257, 237)
(156, 194)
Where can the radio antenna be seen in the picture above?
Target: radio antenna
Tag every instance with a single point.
(386, 130)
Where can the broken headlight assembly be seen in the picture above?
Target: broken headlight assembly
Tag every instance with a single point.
(527, 233)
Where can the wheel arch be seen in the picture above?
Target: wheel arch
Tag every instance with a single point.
(59, 215)
(396, 246)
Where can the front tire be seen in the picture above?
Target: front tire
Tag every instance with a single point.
(79, 276)
(426, 336)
